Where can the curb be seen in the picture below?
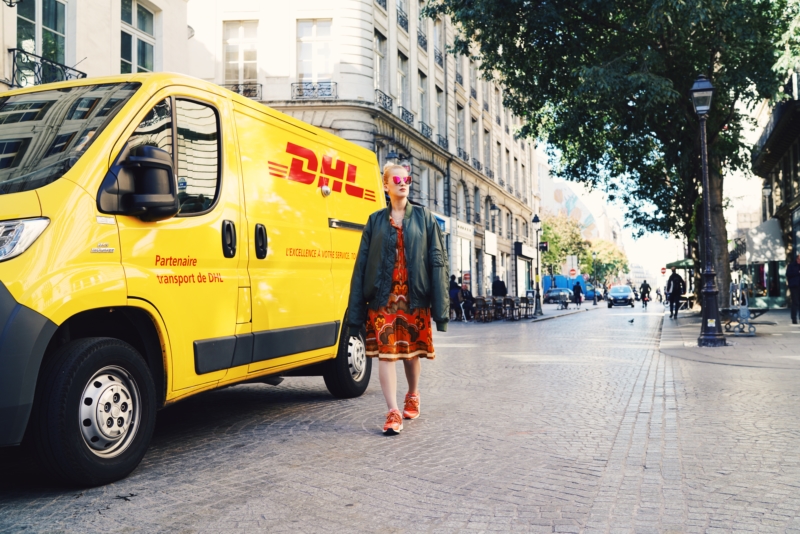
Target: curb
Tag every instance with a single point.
(564, 314)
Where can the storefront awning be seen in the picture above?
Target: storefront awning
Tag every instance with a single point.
(686, 263)
(765, 243)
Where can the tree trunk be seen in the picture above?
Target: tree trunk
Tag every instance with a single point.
(718, 234)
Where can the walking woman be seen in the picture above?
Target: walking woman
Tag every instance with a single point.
(399, 283)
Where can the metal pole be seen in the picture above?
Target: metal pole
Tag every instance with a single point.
(538, 305)
(711, 327)
(594, 268)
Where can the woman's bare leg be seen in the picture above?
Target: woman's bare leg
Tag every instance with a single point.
(412, 368)
(387, 372)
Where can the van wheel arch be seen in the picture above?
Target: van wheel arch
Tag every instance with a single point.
(131, 325)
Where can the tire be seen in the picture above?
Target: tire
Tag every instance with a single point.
(609, 306)
(347, 376)
(95, 411)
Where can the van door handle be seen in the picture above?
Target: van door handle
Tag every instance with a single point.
(261, 242)
(228, 239)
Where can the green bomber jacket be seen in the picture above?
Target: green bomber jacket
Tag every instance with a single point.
(426, 260)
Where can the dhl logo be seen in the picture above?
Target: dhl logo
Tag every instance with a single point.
(304, 168)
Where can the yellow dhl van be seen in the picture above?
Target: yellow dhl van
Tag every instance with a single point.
(161, 236)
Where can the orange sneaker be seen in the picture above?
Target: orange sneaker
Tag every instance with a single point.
(411, 406)
(394, 423)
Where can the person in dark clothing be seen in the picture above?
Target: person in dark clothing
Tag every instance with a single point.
(467, 301)
(453, 283)
(675, 288)
(793, 281)
(499, 288)
(577, 294)
(644, 289)
(455, 303)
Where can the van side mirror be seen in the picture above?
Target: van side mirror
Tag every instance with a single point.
(141, 183)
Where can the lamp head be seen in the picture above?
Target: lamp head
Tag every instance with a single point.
(494, 209)
(536, 222)
(701, 93)
(766, 191)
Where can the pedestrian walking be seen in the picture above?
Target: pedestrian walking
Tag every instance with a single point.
(793, 281)
(675, 288)
(577, 294)
(658, 294)
(499, 288)
(399, 283)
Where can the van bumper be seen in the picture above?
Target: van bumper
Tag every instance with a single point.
(24, 335)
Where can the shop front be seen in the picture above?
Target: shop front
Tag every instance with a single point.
(766, 265)
(462, 251)
(489, 261)
(523, 275)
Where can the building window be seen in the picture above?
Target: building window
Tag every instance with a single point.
(402, 80)
(11, 152)
(461, 203)
(137, 38)
(438, 34)
(487, 149)
(461, 126)
(516, 174)
(379, 66)
(508, 167)
(498, 103)
(424, 185)
(473, 133)
(314, 50)
(438, 201)
(240, 51)
(41, 28)
(473, 77)
(14, 112)
(423, 97)
(477, 203)
(441, 121)
(459, 69)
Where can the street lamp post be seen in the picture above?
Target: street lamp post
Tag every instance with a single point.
(711, 327)
(594, 268)
(537, 227)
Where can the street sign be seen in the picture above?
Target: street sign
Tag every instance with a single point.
(573, 272)
(543, 246)
(663, 270)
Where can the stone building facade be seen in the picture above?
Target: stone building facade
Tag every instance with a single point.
(376, 73)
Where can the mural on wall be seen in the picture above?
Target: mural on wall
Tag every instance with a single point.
(559, 199)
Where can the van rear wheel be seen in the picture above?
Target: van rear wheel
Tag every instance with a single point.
(347, 375)
(95, 411)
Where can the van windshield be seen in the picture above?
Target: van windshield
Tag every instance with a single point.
(43, 134)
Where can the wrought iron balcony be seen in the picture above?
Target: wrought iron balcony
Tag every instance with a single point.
(497, 120)
(422, 40)
(476, 217)
(406, 115)
(518, 194)
(250, 90)
(29, 69)
(459, 79)
(425, 130)
(438, 57)
(443, 142)
(485, 106)
(463, 154)
(382, 100)
(476, 164)
(502, 182)
(402, 19)
(473, 93)
(506, 128)
(490, 173)
(381, 3)
(310, 90)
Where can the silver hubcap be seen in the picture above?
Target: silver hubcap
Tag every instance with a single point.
(109, 412)
(357, 358)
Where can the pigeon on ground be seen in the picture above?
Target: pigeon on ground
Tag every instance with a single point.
(631, 321)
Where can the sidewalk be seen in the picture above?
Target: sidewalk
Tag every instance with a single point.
(551, 311)
(776, 347)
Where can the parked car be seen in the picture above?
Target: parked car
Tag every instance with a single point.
(620, 296)
(554, 294)
(589, 293)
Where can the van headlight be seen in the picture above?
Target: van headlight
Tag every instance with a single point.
(16, 236)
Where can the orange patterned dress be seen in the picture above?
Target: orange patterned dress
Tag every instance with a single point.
(396, 332)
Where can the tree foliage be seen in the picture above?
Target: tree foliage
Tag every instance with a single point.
(606, 84)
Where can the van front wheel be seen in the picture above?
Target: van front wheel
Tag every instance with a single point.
(347, 375)
(95, 411)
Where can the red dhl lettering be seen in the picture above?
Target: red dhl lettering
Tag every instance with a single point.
(305, 169)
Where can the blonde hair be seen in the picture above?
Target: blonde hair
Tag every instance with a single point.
(387, 169)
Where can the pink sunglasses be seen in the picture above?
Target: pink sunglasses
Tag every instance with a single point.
(399, 179)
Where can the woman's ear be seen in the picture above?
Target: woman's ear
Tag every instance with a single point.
(386, 186)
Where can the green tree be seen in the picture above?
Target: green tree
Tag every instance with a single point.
(610, 261)
(606, 84)
(564, 238)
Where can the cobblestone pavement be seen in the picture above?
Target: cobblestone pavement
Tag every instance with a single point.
(577, 424)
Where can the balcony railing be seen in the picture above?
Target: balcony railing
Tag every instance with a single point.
(402, 19)
(29, 69)
(406, 115)
(384, 101)
(443, 142)
(463, 154)
(518, 194)
(497, 120)
(489, 173)
(425, 130)
(476, 217)
(502, 182)
(249, 90)
(438, 57)
(381, 3)
(506, 128)
(473, 93)
(422, 40)
(310, 90)
(485, 106)
(476, 164)
(459, 79)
